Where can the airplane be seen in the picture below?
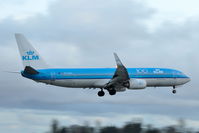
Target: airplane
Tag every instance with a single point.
(113, 80)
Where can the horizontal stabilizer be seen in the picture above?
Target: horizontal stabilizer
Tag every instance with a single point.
(11, 72)
(30, 70)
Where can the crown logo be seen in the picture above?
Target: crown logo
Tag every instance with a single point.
(30, 52)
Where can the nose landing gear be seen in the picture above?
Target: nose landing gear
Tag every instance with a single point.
(174, 90)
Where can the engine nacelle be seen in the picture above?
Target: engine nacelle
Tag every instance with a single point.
(137, 84)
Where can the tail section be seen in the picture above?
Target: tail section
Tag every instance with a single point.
(29, 56)
(30, 70)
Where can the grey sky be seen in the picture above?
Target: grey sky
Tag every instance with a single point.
(68, 34)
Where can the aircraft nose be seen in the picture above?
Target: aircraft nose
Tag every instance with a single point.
(187, 79)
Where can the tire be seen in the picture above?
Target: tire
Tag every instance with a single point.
(112, 92)
(101, 93)
(174, 91)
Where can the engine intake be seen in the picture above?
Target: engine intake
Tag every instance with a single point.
(137, 84)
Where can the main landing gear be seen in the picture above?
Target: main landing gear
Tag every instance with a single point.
(111, 92)
(101, 93)
(174, 90)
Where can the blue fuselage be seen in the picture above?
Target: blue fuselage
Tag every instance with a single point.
(103, 73)
(90, 77)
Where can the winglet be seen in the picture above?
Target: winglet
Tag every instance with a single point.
(117, 59)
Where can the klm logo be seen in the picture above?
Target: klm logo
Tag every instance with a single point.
(30, 56)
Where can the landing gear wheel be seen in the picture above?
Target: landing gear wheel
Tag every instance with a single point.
(174, 91)
(101, 93)
(112, 92)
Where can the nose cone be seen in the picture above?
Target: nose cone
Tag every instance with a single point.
(182, 78)
(187, 79)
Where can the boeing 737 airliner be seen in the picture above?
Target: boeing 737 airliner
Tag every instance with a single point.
(111, 79)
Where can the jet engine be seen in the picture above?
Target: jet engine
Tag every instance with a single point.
(137, 84)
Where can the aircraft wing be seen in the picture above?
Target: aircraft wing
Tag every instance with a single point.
(120, 78)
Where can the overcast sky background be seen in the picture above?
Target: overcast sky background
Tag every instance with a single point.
(85, 33)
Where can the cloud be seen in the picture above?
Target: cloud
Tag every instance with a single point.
(22, 9)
